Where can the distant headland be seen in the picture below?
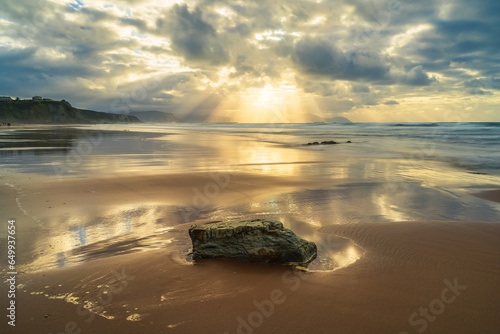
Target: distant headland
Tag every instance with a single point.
(39, 110)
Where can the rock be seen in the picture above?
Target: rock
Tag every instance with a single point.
(254, 240)
(329, 142)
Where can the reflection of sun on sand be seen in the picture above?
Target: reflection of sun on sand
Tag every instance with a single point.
(405, 268)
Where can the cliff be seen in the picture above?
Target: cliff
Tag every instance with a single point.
(56, 112)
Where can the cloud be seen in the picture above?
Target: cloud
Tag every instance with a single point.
(242, 29)
(391, 102)
(477, 91)
(417, 77)
(320, 57)
(464, 32)
(139, 24)
(487, 83)
(93, 15)
(334, 106)
(30, 69)
(345, 55)
(322, 88)
(360, 88)
(192, 37)
(15, 55)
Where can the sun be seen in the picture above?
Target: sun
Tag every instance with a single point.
(269, 104)
(278, 102)
(267, 97)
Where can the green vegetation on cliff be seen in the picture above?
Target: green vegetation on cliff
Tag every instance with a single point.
(56, 112)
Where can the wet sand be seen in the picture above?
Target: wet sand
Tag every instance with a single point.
(104, 247)
(449, 269)
(490, 195)
(446, 272)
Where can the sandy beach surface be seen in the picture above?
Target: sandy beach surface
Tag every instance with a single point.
(490, 195)
(433, 277)
(102, 243)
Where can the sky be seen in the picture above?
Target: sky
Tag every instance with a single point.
(259, 61)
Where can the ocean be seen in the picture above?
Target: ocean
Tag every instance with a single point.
(471, 147)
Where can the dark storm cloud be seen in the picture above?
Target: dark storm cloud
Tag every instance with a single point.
(15, 56)
(23, 69)
(486, 83)
(192, 37)
(320, 57)
(417, 77)
(466, 33)
(459, 39)
(485, 10)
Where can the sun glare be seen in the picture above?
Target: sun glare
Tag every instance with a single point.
(268, 104)
(267, 97)
(274, 103)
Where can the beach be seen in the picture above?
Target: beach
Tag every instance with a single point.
(407, 228)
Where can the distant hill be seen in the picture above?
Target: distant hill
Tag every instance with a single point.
(56, 112)
(337, 119)
(155, 116)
